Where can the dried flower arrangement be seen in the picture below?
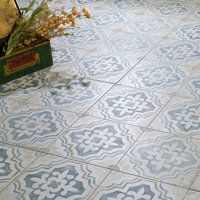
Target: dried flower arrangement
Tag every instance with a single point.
(41, 23)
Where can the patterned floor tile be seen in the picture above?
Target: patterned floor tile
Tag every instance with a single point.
(86, 38)
(78, 98)
(163, 157)
(192, 195)
(96, 141)
(64, 56)
(12, 161)
(196, 184)
(24, 84)
(162, 77)
(128, 44)
(129, 105)
(5, 106)
(191, 88)
(176, 51)
(35, 128)
(94, 2)
(177, 9)
(182, 116)
(55, 178)
(104, 67)
(110, 19)
(21, 102)
(151, 25)
(195, 15)
(122, 186)
(130, 4)
(187, 31)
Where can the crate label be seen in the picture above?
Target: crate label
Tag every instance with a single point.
(21, 62)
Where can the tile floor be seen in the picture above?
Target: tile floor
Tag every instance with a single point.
(133, 133)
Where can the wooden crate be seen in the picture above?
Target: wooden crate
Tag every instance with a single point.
(22, 62)
(25, 62)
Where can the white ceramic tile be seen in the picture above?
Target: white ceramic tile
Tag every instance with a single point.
(163, 157)
(96, 141)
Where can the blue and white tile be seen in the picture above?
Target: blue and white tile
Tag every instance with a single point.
(129, 105)
(123, 186)
(195, 15)
(176, 51)
(196, 183)
(78, 98)
(163, 157)
(25, 84)
(187, 31)
(177, 9)
(130, 4)
(50, 177)
(108, 18)
(6, 106)
(64, 56)
(151, 25)
(123, 43)
(192, 195)
(191, 88)
(193, 1)
(93, 3)
(13, 161)
(157, 76)
(96, 141)
(35, 128)
(21, 102)
(101, 66)
(181, 115)
(86, 38)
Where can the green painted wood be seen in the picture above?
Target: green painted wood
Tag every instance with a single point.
(25, 62)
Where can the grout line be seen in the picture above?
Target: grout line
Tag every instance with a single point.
(19, 174)
(85, 112)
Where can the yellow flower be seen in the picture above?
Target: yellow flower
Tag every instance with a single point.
(73, 23)
(64, 12)
(74, 11)
(86, 13)
(61, 30)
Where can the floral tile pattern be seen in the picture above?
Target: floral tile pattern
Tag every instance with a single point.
(64, 56)
(187, 31)
(127, 127)
(88, 1)
(76, 99)
(164, 157)
(55, 178)
(130, 4)
(35, 127)
(123, 186)
(96, 141)
(195, 16)
(104, 67)
(108, 18)
(182, 116)
(24, 84)
(176, 9)
(86, 38)
(153, 25)
(162, 77)
(123, 43)
(191, 88)
(176, 51)
(129, 105)
(12, 161)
